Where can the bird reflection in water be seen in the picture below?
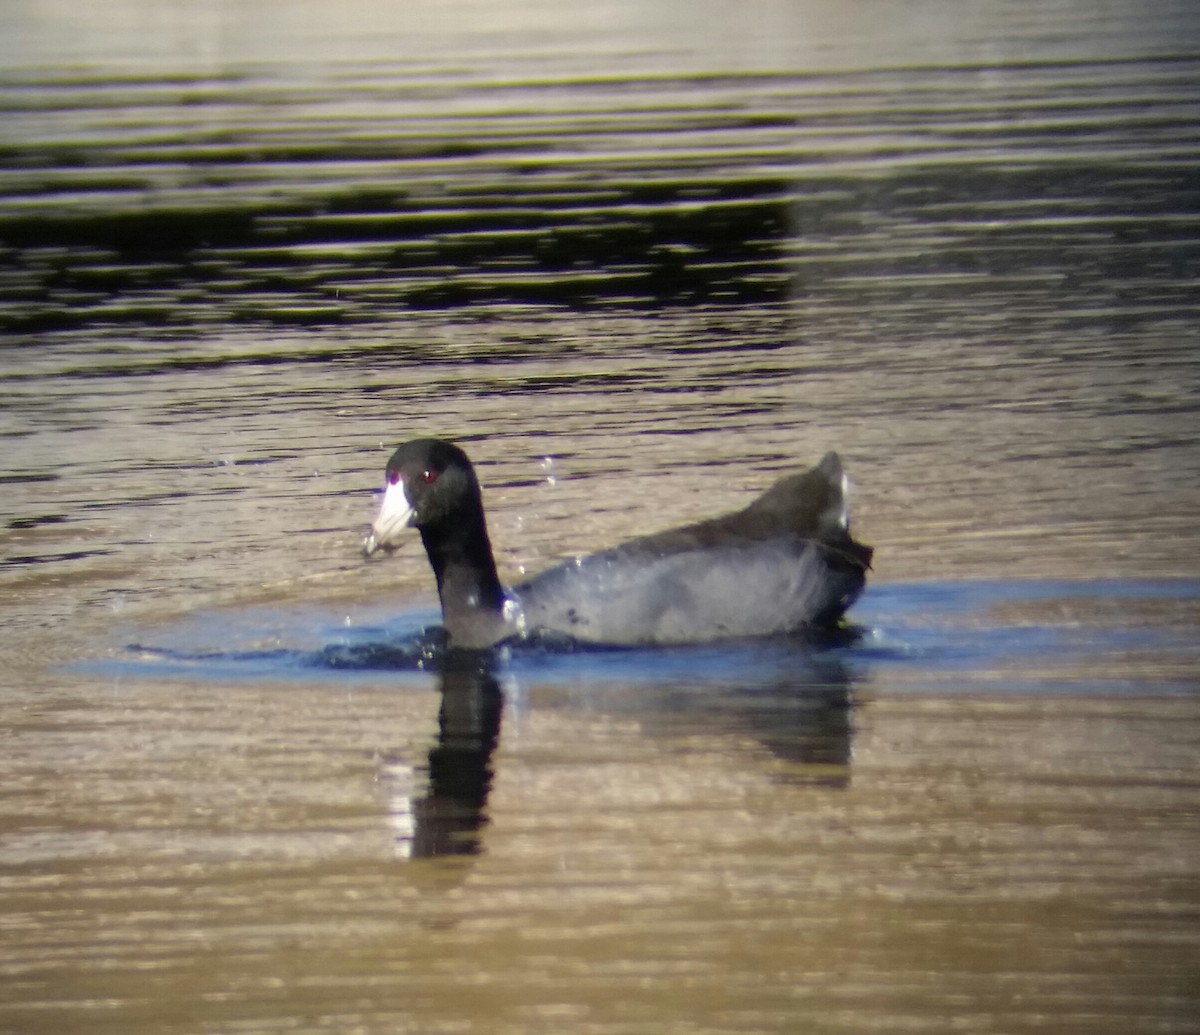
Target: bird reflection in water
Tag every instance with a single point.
(445, 817)
(440, 809)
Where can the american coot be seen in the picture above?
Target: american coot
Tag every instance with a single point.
(785, 563)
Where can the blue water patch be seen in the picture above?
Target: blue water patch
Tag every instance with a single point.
(280, 644)
(1102, 636)
(995, 636)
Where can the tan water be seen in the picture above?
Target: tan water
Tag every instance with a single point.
(638, 260)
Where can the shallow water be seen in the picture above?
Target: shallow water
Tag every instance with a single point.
(639, 260)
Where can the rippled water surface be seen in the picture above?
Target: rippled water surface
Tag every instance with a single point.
(639, 259)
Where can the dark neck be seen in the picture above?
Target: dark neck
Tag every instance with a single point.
(469, 588)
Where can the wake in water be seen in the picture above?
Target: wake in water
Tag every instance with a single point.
(993, 636)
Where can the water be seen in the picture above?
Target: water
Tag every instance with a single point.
(639, 259)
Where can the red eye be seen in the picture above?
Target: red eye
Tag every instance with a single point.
(429, 477)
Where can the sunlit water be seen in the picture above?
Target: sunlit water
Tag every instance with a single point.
(639, 259)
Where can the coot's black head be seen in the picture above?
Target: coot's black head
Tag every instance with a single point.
(431, 485)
